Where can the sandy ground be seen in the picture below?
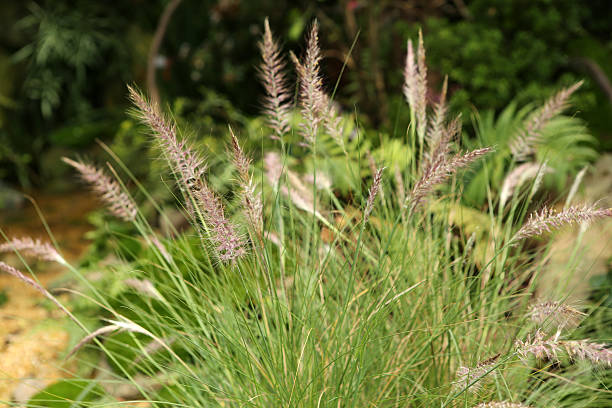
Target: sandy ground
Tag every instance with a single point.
(31, 343)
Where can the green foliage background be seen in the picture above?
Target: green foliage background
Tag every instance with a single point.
(64, 64)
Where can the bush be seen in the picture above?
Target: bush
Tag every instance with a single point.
(289, 292)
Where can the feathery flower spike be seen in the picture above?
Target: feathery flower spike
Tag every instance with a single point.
(501, 404)
(555, 313)
(189, 168)
(549, 348)
(317, 107)
(422, 88)
(410, 75)
(312, 98)
(36, 248)
(436, 128)
(522, 145)
(372, 194)
(144, 286)
(438, 172)
(271, 72)
(548, 219)
(109, 191)
(517, 177)
(439, 146)
(415, 84)
(227, 241)
(29, 281)
(186, 163)
(253, 206)
(295, 191)
(467, 375)
(161, 248)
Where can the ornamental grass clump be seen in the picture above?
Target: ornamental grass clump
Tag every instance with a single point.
(302, 285)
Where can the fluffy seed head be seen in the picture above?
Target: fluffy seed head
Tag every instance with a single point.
(440, 142)
(227, 242)
(399, 185)
(36, 248)
(253, 207)
(555, 313)
(518, 176)
(29, 281)
(542, 347)
(143, 286)
(372, 193)
(436, 127)
(548, 219)
(189, 168)
(522, 145)
(294, 190)
(466, 375)
(271, 72)
(439, 171)
(501, 404)
(161, 248)
(415, 84)
(313, 100)
(187, 164)
(273, 167)
(108, 190)
(320, 182)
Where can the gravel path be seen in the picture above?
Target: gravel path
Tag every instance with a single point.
(32, 340)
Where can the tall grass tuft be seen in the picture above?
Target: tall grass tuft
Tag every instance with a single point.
(351, 299)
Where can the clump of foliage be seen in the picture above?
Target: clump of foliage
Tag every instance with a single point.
(497, 47)
(72, 52)
(287, 292)
(64, 59)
